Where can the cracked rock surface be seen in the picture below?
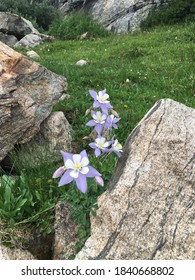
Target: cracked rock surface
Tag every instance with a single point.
(119, 16)
(28, 92)
(148, 211)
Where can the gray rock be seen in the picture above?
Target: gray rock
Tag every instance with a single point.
(30, 41)
(81, 62)
(15, 25)
(19, 32)
(118, 16)
(85, 36)
(148, 210)
(66, 235)
(57, 132)
(9, 40)
(28, 93)
(14, 254)
(33, 54)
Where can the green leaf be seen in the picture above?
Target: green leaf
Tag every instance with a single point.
(7, 194)
(38, 196)
(7, 180)
(20, 203)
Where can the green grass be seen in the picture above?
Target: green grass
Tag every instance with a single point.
(159, 64)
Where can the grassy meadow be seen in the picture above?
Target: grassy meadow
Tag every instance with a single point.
(158, 64)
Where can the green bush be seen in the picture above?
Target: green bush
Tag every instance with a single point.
(41, 12)
(76, 24)
(175, 11)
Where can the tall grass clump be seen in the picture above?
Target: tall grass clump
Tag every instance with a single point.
(176, 11)
(74, 25)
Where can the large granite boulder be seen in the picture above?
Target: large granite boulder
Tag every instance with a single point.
(28, 93)
(18, 31)
(118, 16)
(148, 211)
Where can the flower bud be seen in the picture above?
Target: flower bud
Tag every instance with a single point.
(99, 180)
(58, 172)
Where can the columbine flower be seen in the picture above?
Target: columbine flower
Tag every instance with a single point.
(111, 122)
(100, 145)
(100, 100)
(76, 169)
(116, 147)
(98, 121)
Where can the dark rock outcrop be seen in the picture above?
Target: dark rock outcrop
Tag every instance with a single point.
(17, 31)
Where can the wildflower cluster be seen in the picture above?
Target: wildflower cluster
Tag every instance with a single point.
(76, 166)
(103, 122)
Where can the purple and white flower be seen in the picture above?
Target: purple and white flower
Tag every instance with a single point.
(111, 122)
(100, 145)
(100, 100)
(98, 121)
(76, 168)
(116, 147)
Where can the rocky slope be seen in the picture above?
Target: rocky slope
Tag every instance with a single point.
(118, 16)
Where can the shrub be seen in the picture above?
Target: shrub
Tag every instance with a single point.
(76, 24)
(40, 12)
(175, 11)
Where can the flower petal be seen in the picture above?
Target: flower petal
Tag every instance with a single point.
(69, 164)
(98, 128)
(85, 161)
(65, 179)
(107, 144)
(92, 172)
(91, 123)
(84, 154)
(74, 174)
(96, 104)
(117, 153)
(93, 94)
(93, 114)
(81, 183)
(76, 158)
(97, 152)
(66, 155)
(92, 145)
(106, 96)
(84, 170)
